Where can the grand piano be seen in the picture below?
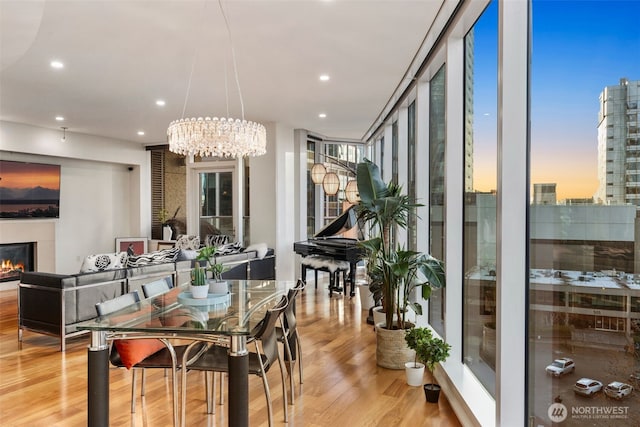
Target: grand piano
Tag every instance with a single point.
(325, 243)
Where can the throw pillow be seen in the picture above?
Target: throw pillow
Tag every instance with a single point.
(230, 248)
(216, 240)
(135, 351)
(260, 248)
(157, 257)
(101, 262)
(188, 242)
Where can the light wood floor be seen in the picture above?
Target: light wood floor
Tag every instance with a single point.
(40, 386)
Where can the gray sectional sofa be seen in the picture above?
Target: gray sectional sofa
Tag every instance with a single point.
(54, 304)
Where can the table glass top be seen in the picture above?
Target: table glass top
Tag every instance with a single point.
(176, 311)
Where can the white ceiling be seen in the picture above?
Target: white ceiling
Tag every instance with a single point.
(121, 56)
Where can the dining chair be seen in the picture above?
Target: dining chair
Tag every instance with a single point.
(157, 287)
(216, 359)
(287, 334)
(142, 353)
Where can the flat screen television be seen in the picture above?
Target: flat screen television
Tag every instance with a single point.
(29, 190)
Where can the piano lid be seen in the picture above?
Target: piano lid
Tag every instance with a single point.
(345, 222)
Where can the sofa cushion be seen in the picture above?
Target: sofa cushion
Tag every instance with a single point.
(157, 257)
(83, 279)
(101, 262)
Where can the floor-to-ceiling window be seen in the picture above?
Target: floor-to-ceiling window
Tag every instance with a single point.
(412, 223)
(437, 129)
(380, 161)
(311, 189)
(584, 279)
(394, 152)
(480, 175)
(341, 159)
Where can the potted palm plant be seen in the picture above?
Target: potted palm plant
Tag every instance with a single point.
(395, 273)
(216, 285)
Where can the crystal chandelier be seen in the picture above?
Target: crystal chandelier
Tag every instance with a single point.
(217, 137)
(224, 137)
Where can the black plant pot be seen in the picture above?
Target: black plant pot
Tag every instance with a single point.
(432, 392)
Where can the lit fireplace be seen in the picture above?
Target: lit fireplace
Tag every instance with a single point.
(14, 259)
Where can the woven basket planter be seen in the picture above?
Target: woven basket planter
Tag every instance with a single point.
(391, 348)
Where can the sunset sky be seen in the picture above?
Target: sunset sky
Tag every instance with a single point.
(28, 175)
(578, 48)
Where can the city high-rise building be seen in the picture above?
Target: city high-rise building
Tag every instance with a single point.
(544, 194)
(619, 144)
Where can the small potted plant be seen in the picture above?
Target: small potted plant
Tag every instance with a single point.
(167, 223)
(163, 216)
(199, 286)
(216, 285)
(430, 350)
(416, 340)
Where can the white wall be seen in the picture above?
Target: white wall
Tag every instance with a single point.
(273, 198)
(100, 199)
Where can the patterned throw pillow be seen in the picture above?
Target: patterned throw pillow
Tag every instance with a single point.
(158, 257)
(230, 248)
(101, 262)
(188, 242)
(216, 240)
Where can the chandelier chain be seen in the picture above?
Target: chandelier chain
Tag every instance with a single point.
(217, 137)
(233, 58)
(193, 61)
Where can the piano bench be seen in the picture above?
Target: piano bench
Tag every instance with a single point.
(330, 265)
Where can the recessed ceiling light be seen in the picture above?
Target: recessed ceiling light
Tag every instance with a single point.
(57, 64)
(322, 115)
(59, 118)
(141, 132)
(160, 103)
(324, 77)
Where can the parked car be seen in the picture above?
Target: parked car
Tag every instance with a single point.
(618, 390)
(634, 378)
(587, 386)
(561, 366)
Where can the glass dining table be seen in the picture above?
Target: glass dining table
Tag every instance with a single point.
(175, 315)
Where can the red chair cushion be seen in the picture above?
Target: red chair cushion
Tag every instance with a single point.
(133, 352)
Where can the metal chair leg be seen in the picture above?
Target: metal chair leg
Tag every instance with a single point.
(299, 355)
(222, 376)
(207, 391)
(284, 389)
(133, 390)
(143, 382)
(291, 362)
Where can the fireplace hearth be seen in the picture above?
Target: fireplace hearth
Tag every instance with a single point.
(14, 259)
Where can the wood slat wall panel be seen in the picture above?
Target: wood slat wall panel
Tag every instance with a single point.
(157, 191)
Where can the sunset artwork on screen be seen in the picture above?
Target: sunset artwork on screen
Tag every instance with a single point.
(29, 190)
